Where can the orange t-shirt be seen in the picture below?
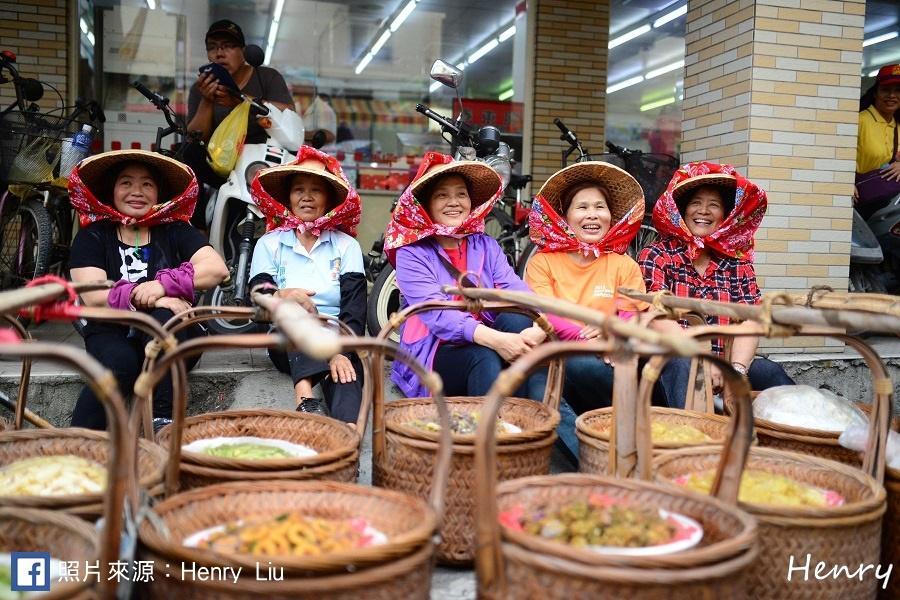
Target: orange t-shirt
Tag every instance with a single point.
(556, 274)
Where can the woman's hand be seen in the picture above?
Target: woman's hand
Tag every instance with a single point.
(176, 305)
(891, 172)
(510, 346)
(589, 332)
(533, 336)
(342, 370)
(300, 296)
(146, 294)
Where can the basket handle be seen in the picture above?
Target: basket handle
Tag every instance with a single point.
(21, 413)
(555, 374)
(739, 437)
(431, 380)
(489, 558)
(120, 475)
(875, 455)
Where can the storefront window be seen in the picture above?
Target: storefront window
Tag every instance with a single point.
(356, 69)
(881, 40)
(645, 80)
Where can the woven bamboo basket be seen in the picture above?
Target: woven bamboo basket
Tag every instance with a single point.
(843, 535)
(85, 443)
(512, 564)
(337, 444)
(22, 526)
(403, 456)
(64, 537)
(399, 568)
(593, 431)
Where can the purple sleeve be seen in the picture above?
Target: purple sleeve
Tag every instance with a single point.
(418, 282)
(120, 295)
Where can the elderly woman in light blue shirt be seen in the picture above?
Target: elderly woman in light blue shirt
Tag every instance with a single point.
(310, 255)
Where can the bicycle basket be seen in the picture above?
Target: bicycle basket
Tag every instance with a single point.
(30, 145)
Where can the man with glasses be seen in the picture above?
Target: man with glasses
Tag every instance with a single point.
(209, 102)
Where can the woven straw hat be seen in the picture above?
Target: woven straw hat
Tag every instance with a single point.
(483, 180)
(714, 179)
(94, 172)
(624, 190)
(276, 181)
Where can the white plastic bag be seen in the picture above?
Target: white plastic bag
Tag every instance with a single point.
(286, 128)
(805, 406)
(856, 436)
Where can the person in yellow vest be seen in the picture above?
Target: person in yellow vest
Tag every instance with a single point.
(877, 155)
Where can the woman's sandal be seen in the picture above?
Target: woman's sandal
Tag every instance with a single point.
(313, 406)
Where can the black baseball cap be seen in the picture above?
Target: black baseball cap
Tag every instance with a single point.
(226, 28)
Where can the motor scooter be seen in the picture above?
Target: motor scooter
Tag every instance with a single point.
(235, 223)
(875, 250)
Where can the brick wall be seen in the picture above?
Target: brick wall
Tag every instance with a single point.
(772, 87)
(36, 31)
(569, 78)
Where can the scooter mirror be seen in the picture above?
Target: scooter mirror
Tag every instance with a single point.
(446, 74)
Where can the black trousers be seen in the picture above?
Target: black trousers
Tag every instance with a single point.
(121, 350)
(343, 399)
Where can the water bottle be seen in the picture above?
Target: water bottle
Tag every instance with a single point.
(75, 149)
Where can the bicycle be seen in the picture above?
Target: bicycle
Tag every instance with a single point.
(36, 218)
(652, 172)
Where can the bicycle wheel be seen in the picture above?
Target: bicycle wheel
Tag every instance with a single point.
(529, 251)
(646, 235)
(26, 232)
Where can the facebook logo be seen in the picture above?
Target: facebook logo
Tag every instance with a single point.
(30, 572)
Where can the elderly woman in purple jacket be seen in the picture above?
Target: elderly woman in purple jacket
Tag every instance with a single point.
(435, 234)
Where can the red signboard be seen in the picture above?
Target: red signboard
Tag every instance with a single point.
(506, 116)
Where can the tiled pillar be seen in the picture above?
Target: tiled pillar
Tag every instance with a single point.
(772, 87)
(36, 31)
(570, 38)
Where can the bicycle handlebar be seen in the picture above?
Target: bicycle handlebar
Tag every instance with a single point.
(567, 134)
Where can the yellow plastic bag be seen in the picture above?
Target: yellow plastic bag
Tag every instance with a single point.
(227, 140)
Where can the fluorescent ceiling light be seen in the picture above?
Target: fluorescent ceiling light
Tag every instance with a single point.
(507, 34)
(151, 4)
(462, 66)
(624, 84)
(657, 104)
(880, 38)
(874, 73)
(506, 95)
(629, 36)
(381, 41)
(364, 63)
(678, 12)
(407, 10)
(663, 70)
(90, 37)
(434, 86)
(273, 30)
(84, 26)
(483, 50)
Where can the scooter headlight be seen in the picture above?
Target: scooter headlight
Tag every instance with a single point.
(499, 161)
(252, 169)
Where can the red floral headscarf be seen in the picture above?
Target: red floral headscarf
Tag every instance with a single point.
(410, 221)
(734, 237)
(89, 181)
(265, 189)
(550, 231)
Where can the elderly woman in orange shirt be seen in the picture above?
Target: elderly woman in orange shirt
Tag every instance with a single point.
(582, 220)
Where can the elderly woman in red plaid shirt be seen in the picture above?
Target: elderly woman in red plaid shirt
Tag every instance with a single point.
(707, 219)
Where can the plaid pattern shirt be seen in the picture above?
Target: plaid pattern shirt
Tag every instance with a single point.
(666, 266)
